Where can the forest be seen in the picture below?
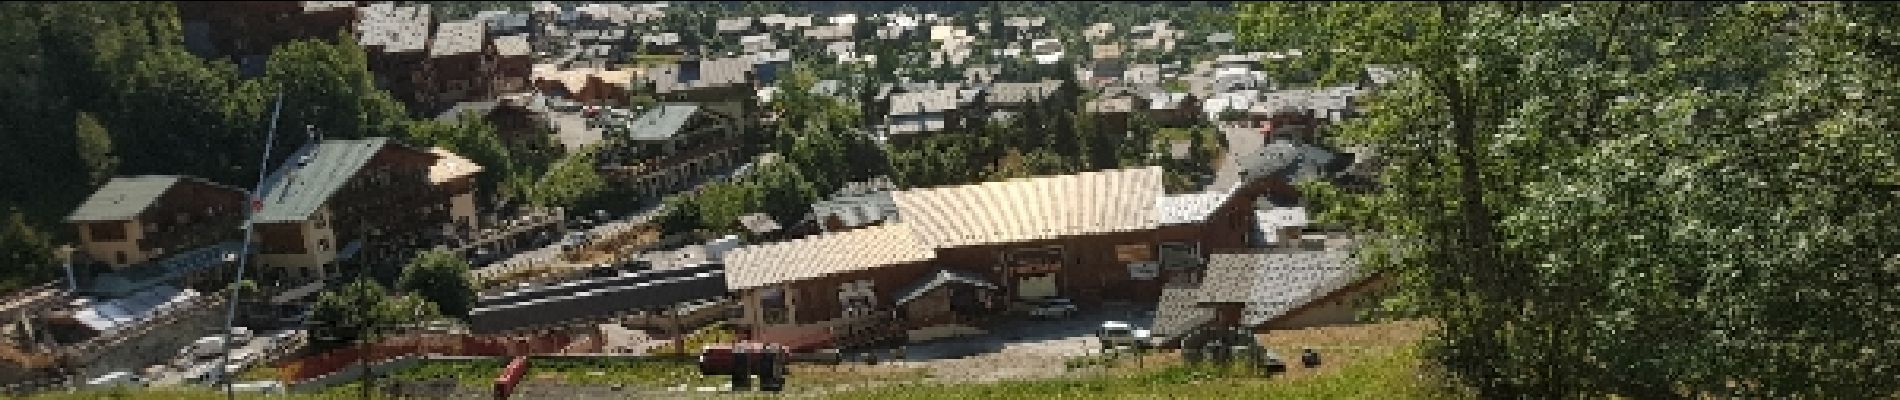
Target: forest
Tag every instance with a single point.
(1636, 200)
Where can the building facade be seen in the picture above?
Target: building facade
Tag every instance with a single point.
(370, 199)
(135, 219)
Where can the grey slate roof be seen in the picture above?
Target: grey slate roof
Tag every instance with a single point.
(459, 37)
(854, 211)
(455, 112)
(942, 277)
(513, 45)
(663, 122)
(123, 198)
(293, 192)
(394, 29)
(1291, 161)
(923, 102)
(1191, 207)
(1179, 311)
(1272, 283)
(1021, 92)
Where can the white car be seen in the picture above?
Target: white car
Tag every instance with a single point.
(1122, 334)
(1052, 308)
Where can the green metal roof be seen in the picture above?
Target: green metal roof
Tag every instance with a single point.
(311, 175)
(123, 198)
(663, 122)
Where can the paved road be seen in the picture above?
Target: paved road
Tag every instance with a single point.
(1240, 141)
(1018, 349)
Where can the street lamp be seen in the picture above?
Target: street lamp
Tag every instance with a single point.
(66, 255)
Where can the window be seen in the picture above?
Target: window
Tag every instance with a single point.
(119, 257)
(106, 231)
(323, 244)
(857, 298)
(322, 221)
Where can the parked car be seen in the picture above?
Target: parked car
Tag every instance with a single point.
(1052, 308)
(1122, 334)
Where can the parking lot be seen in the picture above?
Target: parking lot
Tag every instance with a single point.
(1016, 349)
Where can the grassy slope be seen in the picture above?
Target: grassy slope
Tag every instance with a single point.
(1379, 361)
(1363, 362)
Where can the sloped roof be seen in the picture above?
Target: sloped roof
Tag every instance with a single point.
(125, 197)
(942, 277)
(1272, 283)
(1192, 207)
(393, 29)
(662, 122)
(923, 102)
(1179, 311)
(1034, 208)
(823, 255)
(293, 192)
(459, 37)
(449, 166)
(319, 6)
(513, 45)
(1021, 92)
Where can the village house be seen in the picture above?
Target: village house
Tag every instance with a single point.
(668, 147)
(246, 32)
(954, 255)
(913, 114)
(397, 40)
(857, 205)
(514, 64)
(1018, 96)
(461, 66)
(137, 219)
(371, 201)
(1317, 283)
(590, 86)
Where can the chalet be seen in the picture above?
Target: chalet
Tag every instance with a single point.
(668, 147)
(1017, 96)
(514, 64)
(397, 40)
(916, 113)
(337, 198)
(247, 31)
(1111, 114)
(667, 43)
(591, 86)
(1317, 284)
(137, 219)
(704, 80)
(857, 205)
(461, 65)
(1297, 114)
(956, 254)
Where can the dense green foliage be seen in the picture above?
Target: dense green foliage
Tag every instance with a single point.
(104, 89)
(441, 277)
(26, 252)
(362, 310)
(1649, 200)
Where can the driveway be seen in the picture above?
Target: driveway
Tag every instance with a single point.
(1241, 141)
(1021, 349)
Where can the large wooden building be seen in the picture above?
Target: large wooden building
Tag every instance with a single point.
(337, 198)
(136, 219)
(957, 254)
